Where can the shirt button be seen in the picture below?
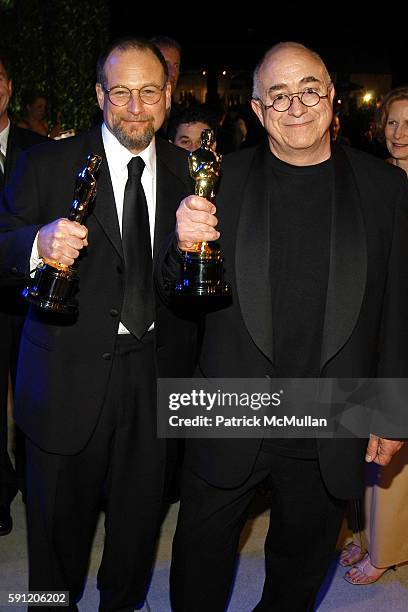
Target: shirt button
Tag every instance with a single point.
(114, 312)
(107, 356)
(14, 270)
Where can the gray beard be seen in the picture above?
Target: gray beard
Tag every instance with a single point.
(137, 142)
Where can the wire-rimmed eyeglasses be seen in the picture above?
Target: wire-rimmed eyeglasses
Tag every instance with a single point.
(283, 102)
(121, 95)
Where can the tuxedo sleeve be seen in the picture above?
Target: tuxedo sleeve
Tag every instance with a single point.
(19, 221)
(391, 410)
(168, 267)
(393, 353)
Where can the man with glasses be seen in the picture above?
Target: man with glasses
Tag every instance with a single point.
(86, 384)
(314, 244)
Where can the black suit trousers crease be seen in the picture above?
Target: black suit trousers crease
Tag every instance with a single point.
(11, 322)
(122, 466)
(304, 525)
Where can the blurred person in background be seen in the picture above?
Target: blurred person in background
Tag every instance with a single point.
(185, 129)
(392, 126)
(13, 140)
(378, 545)
(34, 118)
(336, 131)
(171, 51)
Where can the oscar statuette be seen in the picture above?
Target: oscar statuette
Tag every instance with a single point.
(54, 285)
(202, 266)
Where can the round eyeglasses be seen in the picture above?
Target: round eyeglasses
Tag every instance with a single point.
(283, 102)
(121, 95)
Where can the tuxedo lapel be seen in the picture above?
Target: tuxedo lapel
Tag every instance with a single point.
(13, 152)
(252, 259)
(348, 260)
(104, 208)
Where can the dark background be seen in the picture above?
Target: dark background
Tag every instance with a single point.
(345, 47)
(53, 44)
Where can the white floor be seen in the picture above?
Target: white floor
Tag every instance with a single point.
(389, 595)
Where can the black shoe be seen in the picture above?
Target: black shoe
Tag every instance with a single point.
(6, 522)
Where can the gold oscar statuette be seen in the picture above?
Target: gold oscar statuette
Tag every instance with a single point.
(54, 285)
(202, 267)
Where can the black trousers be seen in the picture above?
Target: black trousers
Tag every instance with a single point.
(304, 525)
(122, 467)
(11, 321)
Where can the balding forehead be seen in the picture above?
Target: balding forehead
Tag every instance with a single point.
(284, 61)
(131, 54)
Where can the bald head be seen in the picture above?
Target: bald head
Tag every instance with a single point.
(283, 50)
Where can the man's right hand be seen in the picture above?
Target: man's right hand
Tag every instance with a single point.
(62, 241)
(196, 222)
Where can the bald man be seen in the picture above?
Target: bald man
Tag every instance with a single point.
(312, 236)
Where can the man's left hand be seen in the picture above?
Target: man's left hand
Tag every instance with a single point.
(381, 450)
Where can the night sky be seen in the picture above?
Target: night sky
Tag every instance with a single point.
(347, 48)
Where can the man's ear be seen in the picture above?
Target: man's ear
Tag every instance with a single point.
(168, 96)
(100, 95)
(332, 93)
(257, 108)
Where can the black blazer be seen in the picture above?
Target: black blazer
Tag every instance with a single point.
(64, 363)
(365, 326)
(18, 141)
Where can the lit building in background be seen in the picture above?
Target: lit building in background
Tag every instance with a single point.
(234, 86)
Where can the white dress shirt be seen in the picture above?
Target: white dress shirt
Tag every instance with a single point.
(118, 158)
(4, 134)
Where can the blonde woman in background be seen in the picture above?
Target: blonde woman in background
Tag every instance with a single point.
(393, 126)
(383, 543)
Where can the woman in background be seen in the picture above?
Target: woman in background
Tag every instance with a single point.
(393, 126)
(35, 110)
(383, 543)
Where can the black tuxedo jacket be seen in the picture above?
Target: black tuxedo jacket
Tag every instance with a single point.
(12, 311)
(65, 363)
(365, 325)
(18, 141)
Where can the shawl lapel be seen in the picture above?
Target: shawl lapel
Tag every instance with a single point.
(252, 258)
(348, 259)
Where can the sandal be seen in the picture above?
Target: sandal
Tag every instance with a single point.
(365, 572)
(351, 554)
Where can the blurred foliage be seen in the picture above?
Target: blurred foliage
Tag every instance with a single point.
(53, 46)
